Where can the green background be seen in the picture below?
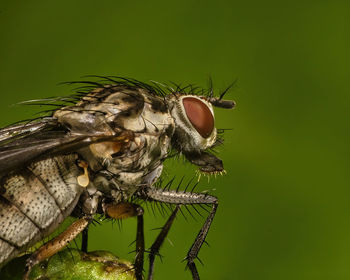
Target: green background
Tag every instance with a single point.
(284, 208)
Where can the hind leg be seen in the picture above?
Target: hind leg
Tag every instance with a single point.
(58, 243)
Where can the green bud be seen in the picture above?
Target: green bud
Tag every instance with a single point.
(72, 264)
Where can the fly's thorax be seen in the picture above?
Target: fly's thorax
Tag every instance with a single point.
(142, 126)
(89, 201)
(139, 165)
(194, 123)
(120, 186)
(114, 108)
(102, 112)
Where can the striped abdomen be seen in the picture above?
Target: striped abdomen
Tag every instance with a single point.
(34, 201)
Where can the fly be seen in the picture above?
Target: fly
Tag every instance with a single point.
(98, 153)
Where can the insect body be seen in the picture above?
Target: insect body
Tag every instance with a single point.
(97, 154)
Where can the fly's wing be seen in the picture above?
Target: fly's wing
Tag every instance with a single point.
(8, 133)
(103, 115)
(22, 144)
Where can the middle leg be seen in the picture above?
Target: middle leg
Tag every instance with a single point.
(84, 240)
(125, 210)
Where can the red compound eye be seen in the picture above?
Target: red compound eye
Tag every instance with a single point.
(199, 115)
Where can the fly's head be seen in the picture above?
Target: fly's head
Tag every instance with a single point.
(195, 130)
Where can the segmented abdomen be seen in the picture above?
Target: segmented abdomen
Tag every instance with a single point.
(34, 201)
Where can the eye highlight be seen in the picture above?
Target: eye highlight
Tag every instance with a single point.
(199, 115)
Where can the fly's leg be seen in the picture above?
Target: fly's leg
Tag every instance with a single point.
(154, 250)
(84, 240)
(185, 198)
(140, 248)
(58, 243)
(198, 242)
(125, 210)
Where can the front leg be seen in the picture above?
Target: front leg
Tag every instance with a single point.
(58, 243)
(181, 198)
(154, 250)
(125, 210)
(198, 242)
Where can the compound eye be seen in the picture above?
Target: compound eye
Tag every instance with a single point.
(199, 115)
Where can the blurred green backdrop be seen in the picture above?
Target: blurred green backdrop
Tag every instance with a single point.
(284, 211)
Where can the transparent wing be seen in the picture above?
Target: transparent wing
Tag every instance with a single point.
(21, 144)
(8, 134)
